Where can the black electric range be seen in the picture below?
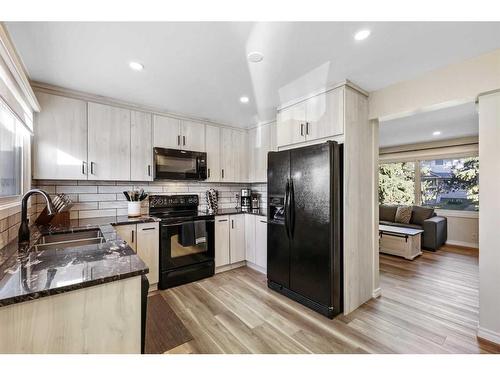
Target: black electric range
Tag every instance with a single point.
(187, 244)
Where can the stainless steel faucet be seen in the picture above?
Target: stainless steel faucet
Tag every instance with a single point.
(24, 231)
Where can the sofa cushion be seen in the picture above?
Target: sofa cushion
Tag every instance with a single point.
(387, 213)
(420, 214)
(403, 214)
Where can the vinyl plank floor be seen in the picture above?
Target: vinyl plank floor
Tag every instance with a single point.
(428, 305)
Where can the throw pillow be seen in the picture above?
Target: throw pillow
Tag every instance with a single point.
(403, 214)
(387, 213)
(420, 214)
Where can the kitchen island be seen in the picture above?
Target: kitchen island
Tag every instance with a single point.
(76, 299)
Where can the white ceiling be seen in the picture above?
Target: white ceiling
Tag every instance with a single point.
(454, 122)
(201, 68)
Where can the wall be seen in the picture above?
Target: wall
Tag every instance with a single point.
(450, 85)
(489, 223)
(463, 228)
(105, 198)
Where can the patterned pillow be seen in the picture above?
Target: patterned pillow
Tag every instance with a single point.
(403, 214)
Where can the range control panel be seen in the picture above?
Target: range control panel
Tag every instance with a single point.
(171, 201)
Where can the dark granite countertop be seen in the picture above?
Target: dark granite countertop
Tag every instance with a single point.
(235, 211)
(27, 274)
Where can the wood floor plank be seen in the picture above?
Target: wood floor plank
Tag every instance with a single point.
(428, 305)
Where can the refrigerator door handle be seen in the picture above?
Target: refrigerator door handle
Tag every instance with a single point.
(287, 193)
(291, 208)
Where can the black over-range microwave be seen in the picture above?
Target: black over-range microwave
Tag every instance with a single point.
(171, 164)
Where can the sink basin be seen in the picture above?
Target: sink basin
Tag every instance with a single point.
(69, 239)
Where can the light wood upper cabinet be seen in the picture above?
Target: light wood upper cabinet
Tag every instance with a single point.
(325, 115)
(60, 142)
(141, 146)
(260, 142)
(318, 117)
(108, 142)
(237, 238)
(166, 132)
(239, 155)
(222, 241)
(192, 136)
(227, 161)
(291, 125)
(212, 147)
(148, 249)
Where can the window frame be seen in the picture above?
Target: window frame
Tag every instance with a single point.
(387, 158)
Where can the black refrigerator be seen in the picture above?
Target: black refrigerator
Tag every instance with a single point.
(304, 231)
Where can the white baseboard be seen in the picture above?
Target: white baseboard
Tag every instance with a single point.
(461, 243)
(256, 267)
(229, 267)
(377, 293)
(488, 334)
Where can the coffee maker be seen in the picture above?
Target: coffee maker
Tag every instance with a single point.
(246, 199)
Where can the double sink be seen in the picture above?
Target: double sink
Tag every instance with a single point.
(65, 240)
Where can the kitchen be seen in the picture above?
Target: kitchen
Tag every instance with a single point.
(144, 209)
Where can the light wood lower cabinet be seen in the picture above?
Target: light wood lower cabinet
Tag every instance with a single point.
(145, 241)
(221, 241)
(229, 240)
(256, 241)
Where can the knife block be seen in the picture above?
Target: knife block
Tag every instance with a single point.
(59, 219)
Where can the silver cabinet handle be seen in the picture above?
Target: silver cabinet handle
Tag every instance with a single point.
(232, 224)
(222, 220)
(149, 228)
(133, 236)
(208, 172)
(302, 129)
(92, 167)
(83, 167)
(178, 140)
(307, 128)
(262, 221)
(183, 140)
(149, 170)
(222, 172)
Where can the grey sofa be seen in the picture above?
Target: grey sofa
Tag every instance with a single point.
(434, 227)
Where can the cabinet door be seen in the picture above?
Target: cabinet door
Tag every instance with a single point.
(128, 233)
(273, 145)
(226, 155)
(221, 241)
(239, 152)
(291, 125)
(250, 237)
(109, 142)
(141, 147)
(261, 242)
(252, 154)
(166, 132)
(262, 146)
(193, 136)
(60, 143)
(237, 238)
(212, 147)
(325, 115)
(148, 249)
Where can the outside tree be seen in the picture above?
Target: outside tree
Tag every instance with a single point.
(397, 183)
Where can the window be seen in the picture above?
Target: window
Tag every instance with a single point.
(450, 184)
(11, 156)
(397, 183)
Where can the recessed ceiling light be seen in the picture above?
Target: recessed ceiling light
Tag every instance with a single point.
(244, 99)
(134, 65)
(362, 34)
(436, 133)
(255, 57)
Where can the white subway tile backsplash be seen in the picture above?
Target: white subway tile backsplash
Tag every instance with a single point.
(105, 198)
(96, 197)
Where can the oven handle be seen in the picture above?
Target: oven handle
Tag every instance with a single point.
(175, 225)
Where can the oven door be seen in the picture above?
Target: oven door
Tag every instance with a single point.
(171, 164)
(186, 243)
